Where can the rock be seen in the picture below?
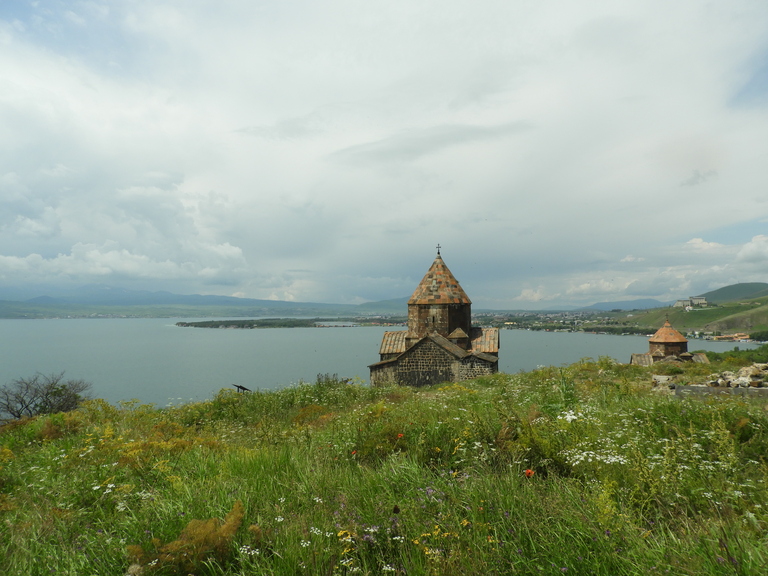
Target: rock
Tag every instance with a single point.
(749, 371)
(741, 382)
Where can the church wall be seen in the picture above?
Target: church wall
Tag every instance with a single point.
(383, 375)
(459, 316)
(441, 318)
(425, 319)
(668, 348)
(426, 364)
(474, 367)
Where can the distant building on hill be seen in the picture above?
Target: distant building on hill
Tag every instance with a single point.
(667, 345)
(691, 302)
(440, 345)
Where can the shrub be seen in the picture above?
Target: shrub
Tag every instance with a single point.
(199, 541)
(41, 394)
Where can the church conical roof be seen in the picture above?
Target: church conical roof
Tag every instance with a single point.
(667, 334)
(439, 286)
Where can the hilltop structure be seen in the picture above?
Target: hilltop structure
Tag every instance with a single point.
(667, 345)
(691, 302)
(440, 345)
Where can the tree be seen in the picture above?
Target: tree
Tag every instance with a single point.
(42, 394)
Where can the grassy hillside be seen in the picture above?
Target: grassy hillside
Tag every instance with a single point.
(742, 291)
(739, 316)
(582, 470)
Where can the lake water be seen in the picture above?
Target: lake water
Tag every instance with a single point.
(157, 362)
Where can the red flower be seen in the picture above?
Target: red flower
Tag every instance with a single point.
(529, 473)
(400, 435)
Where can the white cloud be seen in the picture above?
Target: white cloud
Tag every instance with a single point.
(699, 245)
(224, 146)
(531, 295)
(755, 252)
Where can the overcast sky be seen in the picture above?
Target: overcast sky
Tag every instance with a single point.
(560, 152)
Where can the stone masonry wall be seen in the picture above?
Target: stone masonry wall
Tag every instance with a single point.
(668, 348)
(473, 367)
(428, 364)
(425, 364)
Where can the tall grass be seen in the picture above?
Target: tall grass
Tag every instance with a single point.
(339, 478)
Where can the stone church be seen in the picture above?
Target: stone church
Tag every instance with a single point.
(440, 345)
(667, 345)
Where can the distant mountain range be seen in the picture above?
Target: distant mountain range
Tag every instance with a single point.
(102, 295)
(100, 299)
(641, 304)
(96, 299)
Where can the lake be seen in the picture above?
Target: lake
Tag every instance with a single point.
(155, 361)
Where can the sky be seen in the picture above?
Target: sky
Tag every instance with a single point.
(561, 153)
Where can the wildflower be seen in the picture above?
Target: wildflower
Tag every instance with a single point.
(529, 473)
(279, 519)
(400, 435)
(305, 543)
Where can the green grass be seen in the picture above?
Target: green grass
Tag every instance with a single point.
(336, 478)
(750, 315)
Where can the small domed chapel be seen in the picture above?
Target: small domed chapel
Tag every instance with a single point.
(440, 345)
(667, 345)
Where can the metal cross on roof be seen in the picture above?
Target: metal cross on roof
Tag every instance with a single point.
(438, 249)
